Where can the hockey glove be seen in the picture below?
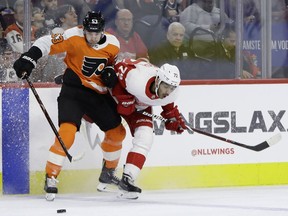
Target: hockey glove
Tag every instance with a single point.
(109, 77)
(27, 62)
(175, 121)
(126, 104)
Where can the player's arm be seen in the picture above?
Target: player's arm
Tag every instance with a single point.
(125, 101)
(27, 62)
(41, 47)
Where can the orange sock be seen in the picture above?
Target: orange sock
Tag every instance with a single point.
(57, 155)
(112, 145)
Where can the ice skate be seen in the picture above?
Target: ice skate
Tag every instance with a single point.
(127, 188)
(50, 188)
(107, 180)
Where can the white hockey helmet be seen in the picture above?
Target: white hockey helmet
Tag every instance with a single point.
(169, 74)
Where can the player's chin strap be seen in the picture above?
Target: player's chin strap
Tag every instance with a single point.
(157, 84)
(259, 147)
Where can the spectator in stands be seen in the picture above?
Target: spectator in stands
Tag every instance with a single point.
(49, 67)
(203, 14)
(204, 18)
(172, 10)
(131, 44)
(46, 5)
(250, 70)
(279, 11)
(173, 50)
(108, 8)
(119, 3)
(81, 7)
(142, 8)
(149, 21)
(14, 32)
(191, 66)
(250, 11)
(7, 58)
(38, 19)
(8, 3)
(6, 15)
(49, 7)
(65, 18)
(251, 15)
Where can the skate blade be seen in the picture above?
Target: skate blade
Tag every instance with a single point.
(50, 196)
(127, 195)
(107, 188)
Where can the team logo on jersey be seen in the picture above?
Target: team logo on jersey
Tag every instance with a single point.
(57, 38)
(93, 66)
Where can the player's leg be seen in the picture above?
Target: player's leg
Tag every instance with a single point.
(142, 131)
(104, 114)
(111, 148)
(70, 115)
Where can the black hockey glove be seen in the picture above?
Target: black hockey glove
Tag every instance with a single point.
(27, 62)
(109, 77)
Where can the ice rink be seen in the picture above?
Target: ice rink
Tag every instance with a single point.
(240, 201)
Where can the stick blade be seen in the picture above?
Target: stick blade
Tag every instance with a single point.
(274, 139)
(267, 143)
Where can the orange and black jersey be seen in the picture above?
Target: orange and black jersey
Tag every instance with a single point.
(85, 61)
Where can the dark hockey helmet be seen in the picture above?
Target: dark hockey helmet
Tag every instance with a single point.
(94, 22)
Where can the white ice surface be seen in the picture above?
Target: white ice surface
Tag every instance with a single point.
(240, 201)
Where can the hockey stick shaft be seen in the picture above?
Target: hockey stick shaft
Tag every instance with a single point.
(48, 118)
(273, 140)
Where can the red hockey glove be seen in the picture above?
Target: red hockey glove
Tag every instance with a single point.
(126, 104)
(175, 121)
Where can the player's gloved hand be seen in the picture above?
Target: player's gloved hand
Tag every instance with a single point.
(109, 77)
(27, 62)
(126, 104)
(24, 66)
(175, 121)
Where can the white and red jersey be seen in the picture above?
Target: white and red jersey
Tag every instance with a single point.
(131, 47)
(86, 61)
(14, 36)
(135, 78)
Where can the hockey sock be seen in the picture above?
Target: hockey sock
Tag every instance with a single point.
(112, 145)
(57, 156)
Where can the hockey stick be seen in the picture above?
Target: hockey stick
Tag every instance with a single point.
(259, 147)
(70, 158)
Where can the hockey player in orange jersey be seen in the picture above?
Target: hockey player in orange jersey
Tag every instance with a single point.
(141, 86)
(90, 56)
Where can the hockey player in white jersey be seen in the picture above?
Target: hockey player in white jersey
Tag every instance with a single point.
(142, 85)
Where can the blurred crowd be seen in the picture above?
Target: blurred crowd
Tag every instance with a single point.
(195, 35)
